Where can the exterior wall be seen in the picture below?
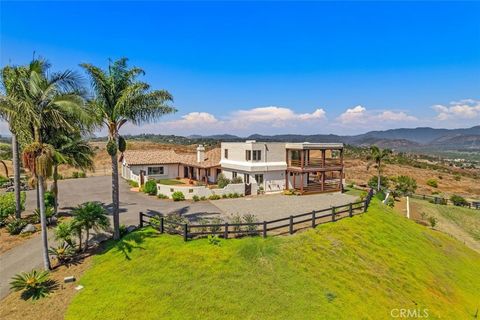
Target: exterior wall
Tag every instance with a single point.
(273, 156)
(273, 181)
(170, 171)
(201, 191)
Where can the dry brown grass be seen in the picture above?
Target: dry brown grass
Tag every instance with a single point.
(8, 241)
(356, 171)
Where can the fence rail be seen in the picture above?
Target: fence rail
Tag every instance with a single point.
(446, 201)
(310, 219)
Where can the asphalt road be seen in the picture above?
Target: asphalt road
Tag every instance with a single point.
(73, 192)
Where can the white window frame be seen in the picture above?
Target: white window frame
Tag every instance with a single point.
(161, 171)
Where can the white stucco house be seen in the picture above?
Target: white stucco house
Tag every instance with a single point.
(268, 166)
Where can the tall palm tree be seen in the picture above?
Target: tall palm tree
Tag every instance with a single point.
(48, 101)
(120, 97)
(11, 112)
(375, 158)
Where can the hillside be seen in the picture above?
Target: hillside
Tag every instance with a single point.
(357, 267)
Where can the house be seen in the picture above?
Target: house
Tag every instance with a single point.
(269, 166)
(276, 166)
(141, 165)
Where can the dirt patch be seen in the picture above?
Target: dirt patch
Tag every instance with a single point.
(53, 307)
(8, 241)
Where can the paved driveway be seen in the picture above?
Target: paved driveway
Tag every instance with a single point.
(271, 207)
(73, 192)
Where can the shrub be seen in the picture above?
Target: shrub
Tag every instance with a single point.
(216, 225)
(363, 195)
(288, 192)
(49, 199)
(250, 218)
(213, 239)
(380, 195)
(49, 213)
(390, 202)
(459, 201)
(235, 195)
(196, 198)
(222, 181)
(178, 196)
(15, 226)
(230, 195)
(35, 284)
(224, 196)
(174, 221)
(236, 219)
(123, 230)
(162, 196)
(7, 204)
(203, 198)
(150, 187)
(237, 179)
(384, 182)
(433, 221)
(404, 185)
(432, 183)
(133, 184)
(82, 174)
(214, 197)
(457, 177)
(75, 174)
(65, 232)
(59, 176)
(63, 253)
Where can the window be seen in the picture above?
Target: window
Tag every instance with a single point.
(246, 177)
(248, 155)
(257, 155)
(234, 174)
(259, 178)
(225, 153)
(155, 170)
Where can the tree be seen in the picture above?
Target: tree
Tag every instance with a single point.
(375, 158)
(91, 215)
(11, 112)
(404, 185)
(47, 101)
(120, 97)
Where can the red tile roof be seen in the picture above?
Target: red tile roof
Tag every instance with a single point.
(153, 157)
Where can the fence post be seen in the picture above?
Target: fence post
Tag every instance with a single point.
(185, 232)
(161, 225)
(313, 219)
(264, 229)
(291, 225)
(225, 233)
(140, 217)
(333, 214)
(350, 210)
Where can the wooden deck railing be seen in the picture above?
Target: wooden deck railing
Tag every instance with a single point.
(315, 163)
(288, 224)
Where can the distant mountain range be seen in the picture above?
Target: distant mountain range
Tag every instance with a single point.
(400, 139)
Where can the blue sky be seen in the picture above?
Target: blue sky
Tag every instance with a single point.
(271, 67)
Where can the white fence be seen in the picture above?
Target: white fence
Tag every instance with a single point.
(202, 191)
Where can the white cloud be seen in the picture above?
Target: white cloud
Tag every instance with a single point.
(463, 109)
(353, 115)
(395, 116)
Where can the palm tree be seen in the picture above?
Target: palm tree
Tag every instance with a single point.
(375, 158)
(91, 215)
(48, 101)
(11, 112)
(118, 98)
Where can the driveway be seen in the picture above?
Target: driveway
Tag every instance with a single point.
(73, 192)
(276, 206)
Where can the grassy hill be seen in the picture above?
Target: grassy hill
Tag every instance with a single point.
(360, 267)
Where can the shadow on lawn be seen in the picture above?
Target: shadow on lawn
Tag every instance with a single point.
(131, 241)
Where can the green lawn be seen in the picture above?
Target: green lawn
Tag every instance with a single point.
(169, 181)
(356, 268)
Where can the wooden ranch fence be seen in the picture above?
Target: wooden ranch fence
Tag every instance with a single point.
(225, 230)
(445, 201)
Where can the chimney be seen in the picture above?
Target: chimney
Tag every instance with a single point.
(200, 153)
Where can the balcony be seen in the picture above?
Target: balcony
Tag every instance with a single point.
(318, 164)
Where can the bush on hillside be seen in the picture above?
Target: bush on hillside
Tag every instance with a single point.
(178, 196)
(459, 201)
(432, 183)
(384, 182)
(404, 185)
(15, 226)
(150, 187)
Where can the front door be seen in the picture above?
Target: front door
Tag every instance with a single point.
(248, 189)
